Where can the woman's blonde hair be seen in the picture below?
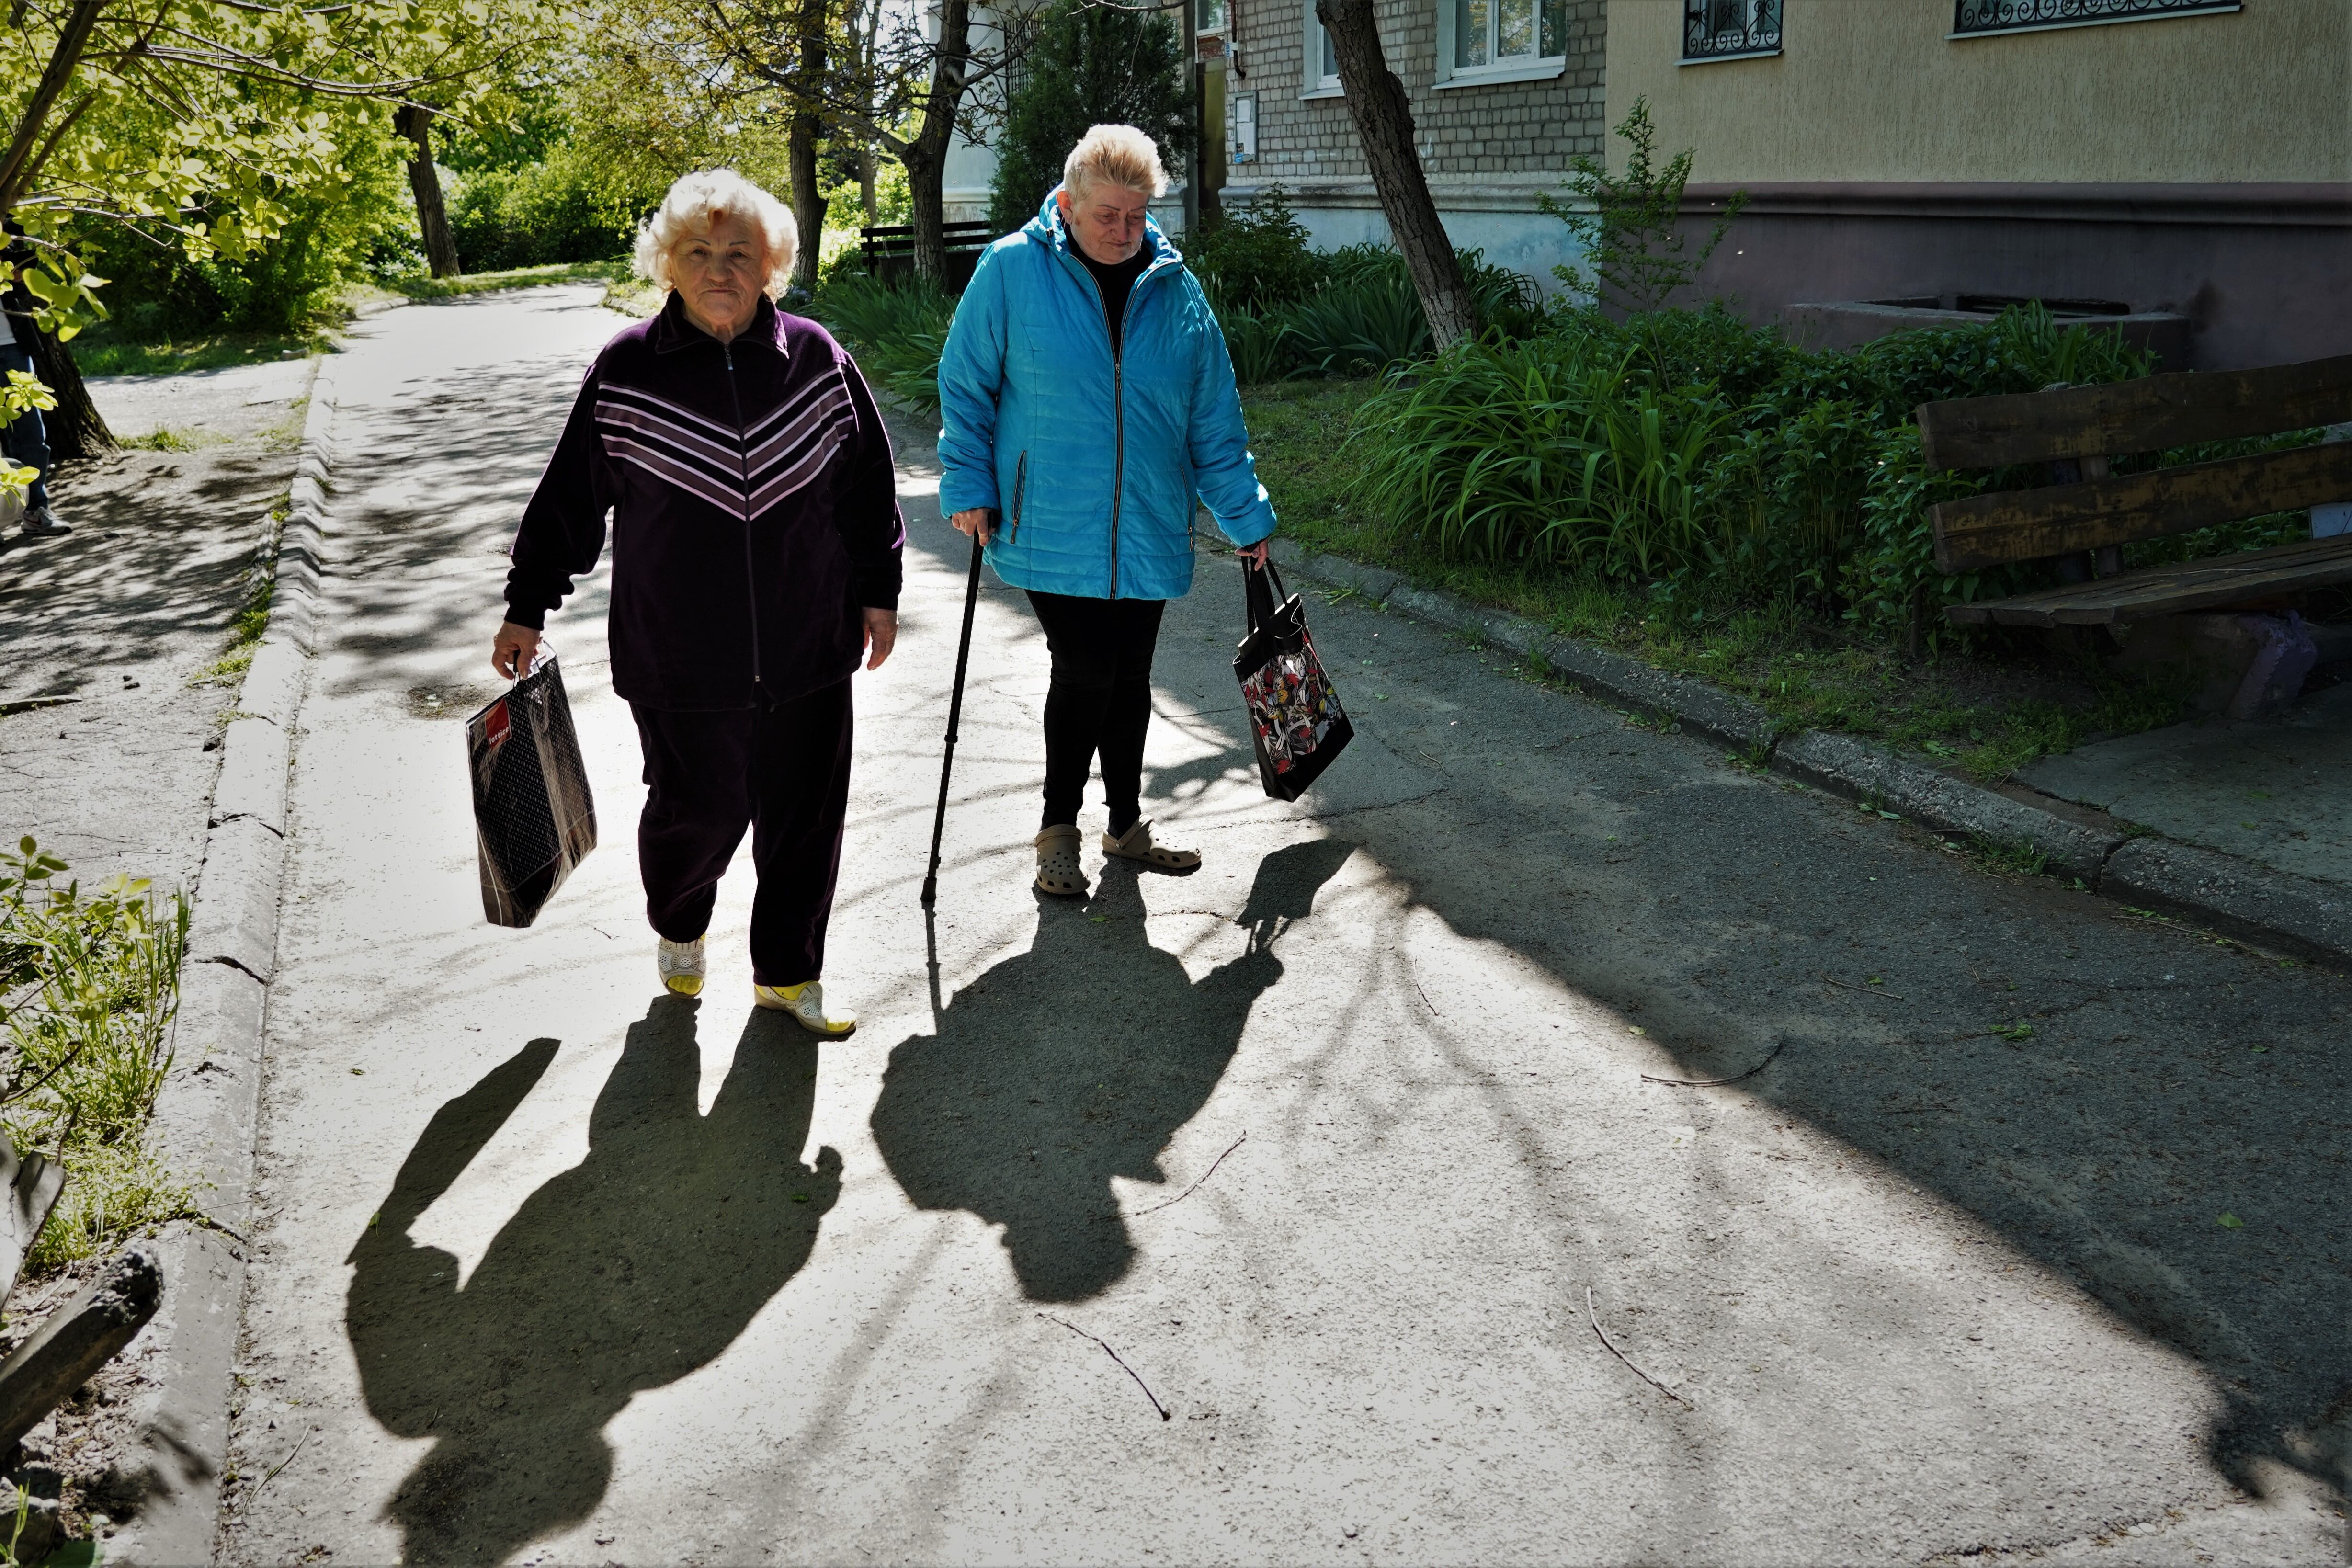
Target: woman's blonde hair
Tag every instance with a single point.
(697, 204)
(1114, 155)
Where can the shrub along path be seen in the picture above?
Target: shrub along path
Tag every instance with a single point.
(2020, 1243)
(121, 645)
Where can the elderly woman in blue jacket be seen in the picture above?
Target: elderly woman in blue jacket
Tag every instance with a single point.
(1086, 398)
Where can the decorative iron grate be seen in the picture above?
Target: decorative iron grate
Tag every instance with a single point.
(2017, 15)
(1730, 29)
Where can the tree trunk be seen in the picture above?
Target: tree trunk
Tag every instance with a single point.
(865, 183)
(1383, 117)
(75, 428)
(808, 198)
(926, 199)
(432, 215)
(808, 194)
(926, 158)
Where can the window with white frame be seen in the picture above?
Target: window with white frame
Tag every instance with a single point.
(1321, 77)
(1501, 40)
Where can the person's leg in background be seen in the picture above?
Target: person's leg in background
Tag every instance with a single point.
(26, 440)
(698, 804)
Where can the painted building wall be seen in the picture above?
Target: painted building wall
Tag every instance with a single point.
(1874, 90)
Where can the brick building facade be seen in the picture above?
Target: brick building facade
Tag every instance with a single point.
(1493, 133)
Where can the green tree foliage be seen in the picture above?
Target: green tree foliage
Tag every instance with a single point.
(1088, 64)
(199, 124)
(1629, 226)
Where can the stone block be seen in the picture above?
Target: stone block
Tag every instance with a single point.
(2286, 913)
(253, 759)
(235, 917)
(1858, 771)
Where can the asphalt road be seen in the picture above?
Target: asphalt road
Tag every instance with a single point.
(1326, 1151)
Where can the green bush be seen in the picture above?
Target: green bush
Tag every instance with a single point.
(561, 208)
(897, 330)
(1087, 65)
(1685, 448)
(89, 979)
(1255, 257)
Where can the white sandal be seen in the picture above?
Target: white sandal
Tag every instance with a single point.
(1058, 871)
(1137, 846)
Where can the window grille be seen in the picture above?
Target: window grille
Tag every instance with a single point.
(1731, 29)
(1504, 33)
(2023, 15)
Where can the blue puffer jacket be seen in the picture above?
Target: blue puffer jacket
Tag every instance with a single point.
(1092, 462)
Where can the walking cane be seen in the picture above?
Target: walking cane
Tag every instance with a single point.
(955, 713)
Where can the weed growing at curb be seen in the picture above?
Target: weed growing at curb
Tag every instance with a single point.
(160, 441)
(247, 628)
(89, 988)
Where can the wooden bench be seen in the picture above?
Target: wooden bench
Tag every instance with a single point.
(2086, 514)
(888, 251)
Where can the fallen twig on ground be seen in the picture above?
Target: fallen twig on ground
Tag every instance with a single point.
(1426, 1001)
(1165, 1413)
(1188, 1192)
(281, 1465)
(1717, 1082)
(1594, 1319)
(1865, 990)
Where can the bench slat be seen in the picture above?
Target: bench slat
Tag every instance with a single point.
(2246, 578)
(2126, 416)
(2025, 525)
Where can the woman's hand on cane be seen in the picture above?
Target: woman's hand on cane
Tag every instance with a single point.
(972, 521)
(513, 650)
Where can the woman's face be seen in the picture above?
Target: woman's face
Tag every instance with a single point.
(1107, 224)
(720, 274)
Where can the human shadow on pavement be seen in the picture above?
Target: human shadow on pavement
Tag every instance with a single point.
(629, 1272)
(1073, 1063)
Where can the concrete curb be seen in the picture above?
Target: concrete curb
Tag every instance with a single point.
(206, 1114)
(2115, 858)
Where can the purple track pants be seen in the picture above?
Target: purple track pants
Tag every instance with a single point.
(782, 770)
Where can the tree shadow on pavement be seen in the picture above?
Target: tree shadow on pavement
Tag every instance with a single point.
(627, 1272)
(1073, 1063)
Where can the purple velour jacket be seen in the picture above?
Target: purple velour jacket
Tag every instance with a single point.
(755, 510)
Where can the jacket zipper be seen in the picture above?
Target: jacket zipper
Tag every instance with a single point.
(1020, 484)
(1118, 401)
(743, 465)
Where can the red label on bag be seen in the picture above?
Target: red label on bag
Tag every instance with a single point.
(495, 725)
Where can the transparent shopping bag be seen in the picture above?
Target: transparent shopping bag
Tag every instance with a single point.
(533, 818)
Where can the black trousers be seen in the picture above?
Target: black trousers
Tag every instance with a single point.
(782, 770)
(1099, 703)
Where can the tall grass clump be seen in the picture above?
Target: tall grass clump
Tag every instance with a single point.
(1687, 448)
(89, 988)
(898, 329)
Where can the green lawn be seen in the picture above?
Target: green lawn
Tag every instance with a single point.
(1993, 707)
(97, 353)
(515, 277)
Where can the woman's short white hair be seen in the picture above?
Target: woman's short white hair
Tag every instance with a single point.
(701, 200)
(1114, 155)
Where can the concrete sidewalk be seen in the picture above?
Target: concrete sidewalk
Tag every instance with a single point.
(1326, 1144)
(2276, 792)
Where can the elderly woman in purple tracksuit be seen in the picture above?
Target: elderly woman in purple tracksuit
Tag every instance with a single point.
(756, 541)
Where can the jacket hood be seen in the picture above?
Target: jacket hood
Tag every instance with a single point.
(1048, 228)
